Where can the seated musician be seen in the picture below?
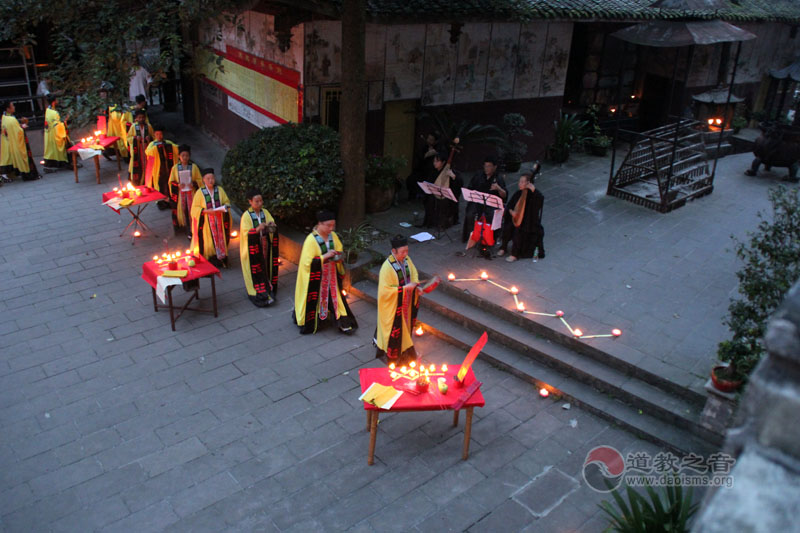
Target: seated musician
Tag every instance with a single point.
(258, 250)
(522, 221)
(318, 297)
(423, 169)
(184, 180)
(398, 302)
(211, 221)
(442, 213)
(488, 182)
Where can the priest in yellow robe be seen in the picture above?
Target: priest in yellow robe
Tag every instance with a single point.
(117, 122)
(318, 295)
(398, 302)
(258, 251)
(15, 151)
(184, 181)
(211, 221)
(55, 139)
(139, 137)
(161, 157)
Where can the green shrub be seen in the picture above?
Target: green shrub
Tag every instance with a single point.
(297, 167)
(667, 511)
(381, 171)
(771, 260)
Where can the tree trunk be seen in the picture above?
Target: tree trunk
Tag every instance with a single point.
(353, 112)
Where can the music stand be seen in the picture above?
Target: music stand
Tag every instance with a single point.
(439, 193)
(487, 200)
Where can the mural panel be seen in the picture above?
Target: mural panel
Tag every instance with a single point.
(556, 58)
(502, 61)
(323, 52)
(405, 50)
(528, 79)
(438, 79)
(473, 60)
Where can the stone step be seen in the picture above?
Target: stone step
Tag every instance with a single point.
(614, 355)
(644, 409)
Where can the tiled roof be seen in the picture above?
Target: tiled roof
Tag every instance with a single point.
(495, 10)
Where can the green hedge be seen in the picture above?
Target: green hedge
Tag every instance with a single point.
(297, 167)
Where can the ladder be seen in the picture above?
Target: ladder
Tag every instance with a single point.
(19, 79)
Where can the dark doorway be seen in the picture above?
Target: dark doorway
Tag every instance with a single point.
(655, 105)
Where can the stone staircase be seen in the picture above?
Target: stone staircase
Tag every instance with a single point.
(635, 398)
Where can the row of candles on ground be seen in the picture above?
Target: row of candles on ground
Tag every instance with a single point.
(172, 259)
(92, 138)
(577, 332)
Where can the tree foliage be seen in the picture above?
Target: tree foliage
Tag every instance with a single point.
(771, 258)
(297, 167)
(97, 40)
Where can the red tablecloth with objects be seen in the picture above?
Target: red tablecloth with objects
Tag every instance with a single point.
(105, 142)
(151, 270)
(148, 195)
(430, 400)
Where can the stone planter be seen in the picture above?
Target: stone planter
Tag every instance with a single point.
(379, 199)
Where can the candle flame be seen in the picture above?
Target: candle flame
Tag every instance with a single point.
(451, 276)
(155, 258)
(514, 290)
(616, 332)
(710, 121)
(577, 332)
(137, 233)
(484, 275)
(559, 313)
(403, 369)
(544, 393)
(391, 366)
(444, 368)
(419, 331)
(412, 364)
(520, 306)
(718, 121)
(433, 368)
(234, 233)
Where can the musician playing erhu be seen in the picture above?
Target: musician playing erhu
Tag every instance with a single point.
(258, 250)
(211, 221)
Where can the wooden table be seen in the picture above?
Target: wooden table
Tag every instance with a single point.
(202, 269)
(140, 203)
(431, 400)
(105, 142)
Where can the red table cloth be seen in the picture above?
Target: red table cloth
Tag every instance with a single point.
(431, 400)
(148, 195)
(105, 142)
(202, 268)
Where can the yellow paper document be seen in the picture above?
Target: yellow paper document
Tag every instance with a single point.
(382, 396)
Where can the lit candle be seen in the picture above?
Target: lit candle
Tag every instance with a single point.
(412, 364)
(616, 332)
(559, 313)
(403, 369)
(391, 366)
(433, 368)
(514, 290)
(718, 121)
(444, 368)
(137, 233)
(155, 258)
(451, 276)
(188, 252)
(484, 275)
(419, 331)
(544, 393)
(577, 332)
(394, 375)
(234, 233)
(344, 292)
(710, 121)
(520, 306)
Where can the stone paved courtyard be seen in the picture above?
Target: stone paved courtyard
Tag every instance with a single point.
(112, 422)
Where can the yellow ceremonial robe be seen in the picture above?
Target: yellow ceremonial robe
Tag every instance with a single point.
(151, 178)
(174, 180)
(245, 225)
(311, 250)
(55, 136)
(198, 204)
(12, 145)
(131, 136)
(387, 305)
(116, 126)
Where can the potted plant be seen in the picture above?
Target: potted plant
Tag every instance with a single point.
(598, 143)
(668, 511)
(467, 131)
(380, 181)
(568, 131)
(771, 260)
(512, 149)
(354, 241)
